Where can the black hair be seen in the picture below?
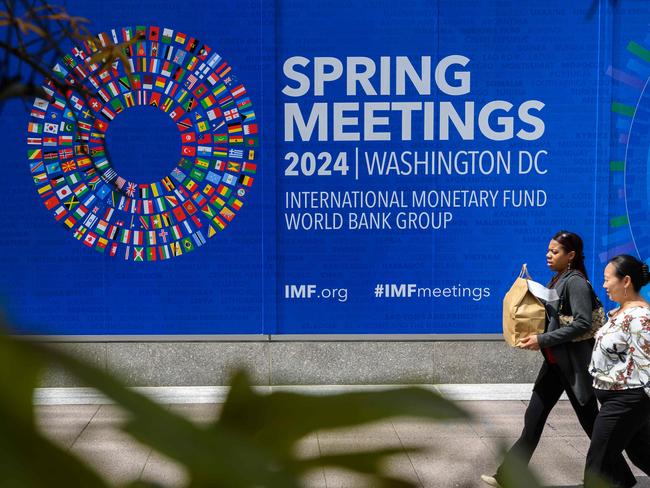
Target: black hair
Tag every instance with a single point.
(626, 265)
(571, 241)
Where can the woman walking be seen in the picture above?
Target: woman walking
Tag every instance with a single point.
(620, 366)
(567, 352)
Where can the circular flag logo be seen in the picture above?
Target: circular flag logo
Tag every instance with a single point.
(206, 185)
(629, 164)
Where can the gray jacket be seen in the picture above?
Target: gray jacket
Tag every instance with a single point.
(576, 299)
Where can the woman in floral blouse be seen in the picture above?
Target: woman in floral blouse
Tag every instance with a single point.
(620, 366)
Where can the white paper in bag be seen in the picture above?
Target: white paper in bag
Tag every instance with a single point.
(541, 292)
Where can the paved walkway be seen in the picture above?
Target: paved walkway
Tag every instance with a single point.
(455, 455)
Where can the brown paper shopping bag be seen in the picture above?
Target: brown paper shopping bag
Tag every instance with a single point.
(523, 313)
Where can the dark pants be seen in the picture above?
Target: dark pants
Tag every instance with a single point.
(623, 423)
(549, 387)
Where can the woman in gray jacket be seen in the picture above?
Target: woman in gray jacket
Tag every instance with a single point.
(566, 353)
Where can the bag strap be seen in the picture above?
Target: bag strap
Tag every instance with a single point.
(595, 301)
(524, 272)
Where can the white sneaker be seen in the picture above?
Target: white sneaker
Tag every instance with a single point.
(490, 480)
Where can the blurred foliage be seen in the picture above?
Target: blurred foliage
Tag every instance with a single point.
(33, 36)
(252, 444)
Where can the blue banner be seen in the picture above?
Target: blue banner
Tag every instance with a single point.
(321, 168)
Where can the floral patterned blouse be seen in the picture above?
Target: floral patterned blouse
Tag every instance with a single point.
(621, 356)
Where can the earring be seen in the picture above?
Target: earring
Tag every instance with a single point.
(625, 290)
(569, 267)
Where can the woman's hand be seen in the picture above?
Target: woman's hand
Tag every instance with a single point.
(530, 342)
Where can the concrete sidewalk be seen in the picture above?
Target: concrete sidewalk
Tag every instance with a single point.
(455, 455)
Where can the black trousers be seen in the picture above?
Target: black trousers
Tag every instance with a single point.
(549, 387)
(623, 423)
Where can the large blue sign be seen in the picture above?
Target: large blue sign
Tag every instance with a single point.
(309, 168)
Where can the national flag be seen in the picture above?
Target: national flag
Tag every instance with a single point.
(213, 79)
(190, 184)
(112, 232)
(180, 38)
(56, 182)
(65, 140)
(102, 226)
(33, 154)
(40, 178)
(227, 214)
(200, 90)
(45, 190)
(189, 207)
(175, 232)
(187, 244)
(51, 202)
(59, 213)
(138, 237)
(219, 223)
(73, 202)
(167, 35)
(176, 249)
(101, 244)
(238, 91)
(236, 153)
(188, 137)
(51, 128)
(168, 184)
(79, 232)
(246, 180)
(147, 206)
(179, 214)
(151, 253)
(220, 152)
(65, 153)
(64, 192)
(184, 124)
(37, 114)
(204, 150)
(229, 179)
(35, 128)
(178, 175)
(208, 102)
(164, 253)
(81, 211)
(213, 177)
(235, 203)
(70, 222)
(198, 237)
(188, 150)
(202, 163)
(125, 236)
(90, 239)
(155, 99)
(50, 155)
(224, 191)
(138, 254)
(197, 174)
(217, 202)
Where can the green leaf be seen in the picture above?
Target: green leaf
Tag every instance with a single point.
(19, 374)
(515, 473)
(27, 458)
(366, 462)
(279, 419)
(213, 457)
